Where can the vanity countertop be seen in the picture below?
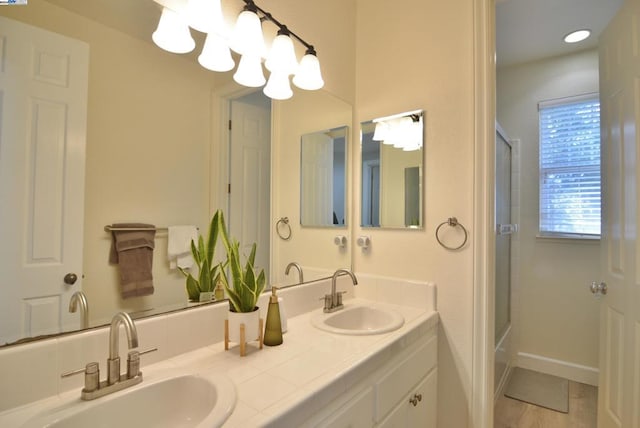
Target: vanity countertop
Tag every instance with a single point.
(309, 364)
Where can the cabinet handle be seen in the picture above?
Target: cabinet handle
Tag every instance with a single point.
(415, 399)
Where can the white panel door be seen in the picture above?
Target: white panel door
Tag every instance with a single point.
(619, 384)
(250, 177)
(317, 180)
(43, 104)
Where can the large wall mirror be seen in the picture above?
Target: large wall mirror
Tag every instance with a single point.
(148, 157)
(323, 196)
(392, 153)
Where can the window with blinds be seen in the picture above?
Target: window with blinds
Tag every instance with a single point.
(570, 167)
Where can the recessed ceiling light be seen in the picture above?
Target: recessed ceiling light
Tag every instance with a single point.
(577, 36)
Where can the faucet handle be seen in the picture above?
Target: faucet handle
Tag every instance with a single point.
(328, 301)
(91, 376)
(133, 362)
(339, 297)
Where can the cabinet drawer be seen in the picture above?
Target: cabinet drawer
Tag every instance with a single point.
(394, 384)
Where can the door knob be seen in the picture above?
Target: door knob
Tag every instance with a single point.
(70, 278)
(599, 289)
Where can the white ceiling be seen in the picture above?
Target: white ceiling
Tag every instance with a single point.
(528, 30)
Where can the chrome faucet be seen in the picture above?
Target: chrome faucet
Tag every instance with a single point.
(79, 298)
(93, 387)
(113, 363)
(297, 266)
(333, 301)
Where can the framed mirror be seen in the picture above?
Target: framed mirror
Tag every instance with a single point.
(323, 178)
(392, 188)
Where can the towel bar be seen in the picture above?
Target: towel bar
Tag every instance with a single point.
(109, 228)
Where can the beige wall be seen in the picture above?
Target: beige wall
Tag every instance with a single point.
(415, 54)
(329, 26)
(555, 316)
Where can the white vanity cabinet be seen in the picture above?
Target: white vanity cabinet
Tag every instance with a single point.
(406, 393)
(418, 408)
(401, 393)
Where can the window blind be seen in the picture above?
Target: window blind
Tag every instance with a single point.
(570, 166)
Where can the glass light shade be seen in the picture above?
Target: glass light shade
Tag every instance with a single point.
(249, 72)
(215, 54)
(308, 76)
(173, 33)
(400, 134)
(278, 87)
(205, 16)
(381, 131)
(247, 35)
(282, 57)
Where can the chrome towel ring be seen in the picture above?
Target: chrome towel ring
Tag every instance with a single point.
(283, 222)
(453, 222)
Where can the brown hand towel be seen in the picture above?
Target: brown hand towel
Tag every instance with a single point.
(132, 251)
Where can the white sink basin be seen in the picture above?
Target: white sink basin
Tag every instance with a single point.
(359, 320)
(181, 401)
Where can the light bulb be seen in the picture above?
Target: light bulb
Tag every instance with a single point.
(282, 57)
(173, 33)
(308, 76)
(577, 36)
(249, 72)
(247, 35)
(278, 87)
(205, 16)
(216, 55)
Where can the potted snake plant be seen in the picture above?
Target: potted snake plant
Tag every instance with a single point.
(201, 288)
(243, 288)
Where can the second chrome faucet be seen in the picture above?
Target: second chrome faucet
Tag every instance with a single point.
(333, 301)
(298, 268)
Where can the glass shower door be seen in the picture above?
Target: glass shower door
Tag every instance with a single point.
(504, 228)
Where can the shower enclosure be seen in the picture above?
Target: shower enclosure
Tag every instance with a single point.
(504, 230)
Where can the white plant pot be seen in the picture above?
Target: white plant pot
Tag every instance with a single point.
(251, 321)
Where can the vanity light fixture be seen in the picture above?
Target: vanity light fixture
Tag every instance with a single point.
(246, 39)
(577, 36)
(403, 131)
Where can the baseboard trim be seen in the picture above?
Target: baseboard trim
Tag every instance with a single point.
(571, 371)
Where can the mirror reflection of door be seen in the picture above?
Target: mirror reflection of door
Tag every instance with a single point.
(412, 196)
(250, 171)
(317, 179)
(43, 108)
(323, 178)
(371, 193)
